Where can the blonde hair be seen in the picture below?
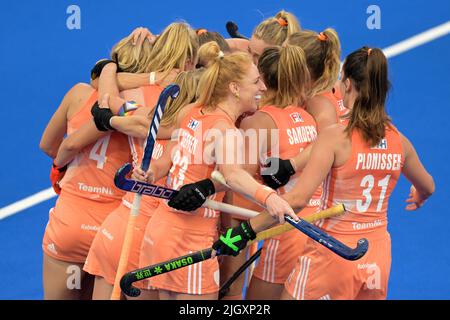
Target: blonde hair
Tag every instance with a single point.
(208, 52)
(213, 85)
(132, 58)
(323, 53)
(275, 30)
(285, 73)
(174, 47)
(188, 82)
(205, 36)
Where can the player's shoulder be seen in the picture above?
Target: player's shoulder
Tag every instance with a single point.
(319, 102)
(259, 119)
(81, 89)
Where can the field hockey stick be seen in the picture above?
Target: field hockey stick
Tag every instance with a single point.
(232, 30)
(272, 232)
(162, 192)
(226, 286)
(126, 283)
(318, 234)
(170, 91)
(330, 242)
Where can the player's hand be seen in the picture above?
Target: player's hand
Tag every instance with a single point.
(193, 195)
(140, 34)
(278, 207)
(277, 172)
(141, 175)
(56, 174)
(234, 239)
(415, 200)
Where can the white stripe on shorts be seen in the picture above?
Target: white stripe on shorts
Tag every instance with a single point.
(299, 290)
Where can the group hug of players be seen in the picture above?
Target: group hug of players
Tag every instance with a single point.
(319, 142)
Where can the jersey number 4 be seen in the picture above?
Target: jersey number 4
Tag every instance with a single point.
(368, 182)
(98, 151)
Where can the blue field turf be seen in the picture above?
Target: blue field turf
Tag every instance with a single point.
(41, 59)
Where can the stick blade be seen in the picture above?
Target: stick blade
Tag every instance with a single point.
(126, 284)
(360, 250)
(232, 30)
(120, 176)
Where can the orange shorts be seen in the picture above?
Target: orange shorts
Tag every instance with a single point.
(104, 255)
(320, 274)
(72, 226)
(279, 254)
(170, 235)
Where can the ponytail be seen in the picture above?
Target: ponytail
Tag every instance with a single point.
(208, 52)
(368, 70)
(292, 23)
(286, 76)
(275, 30)
(323, 52)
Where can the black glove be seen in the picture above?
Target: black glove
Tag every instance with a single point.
(276, 179)
(234, 240)
(102, 117)
(192, 196)
(97, 69)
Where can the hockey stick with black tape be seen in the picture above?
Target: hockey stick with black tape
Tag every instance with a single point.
(226, 286)
(170, 91)
(162, 192)
(232, 30)
(126, 283)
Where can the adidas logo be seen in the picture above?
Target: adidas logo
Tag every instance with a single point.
(51, 247)
(325, 297)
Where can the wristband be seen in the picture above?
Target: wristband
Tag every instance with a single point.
(127, 108)
(262, 193)
(152, 78)
(102, 117)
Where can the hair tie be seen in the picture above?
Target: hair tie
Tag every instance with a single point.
(201, 31)
(322, 37)
(282, 21)
(221, 54)
(369, 51)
